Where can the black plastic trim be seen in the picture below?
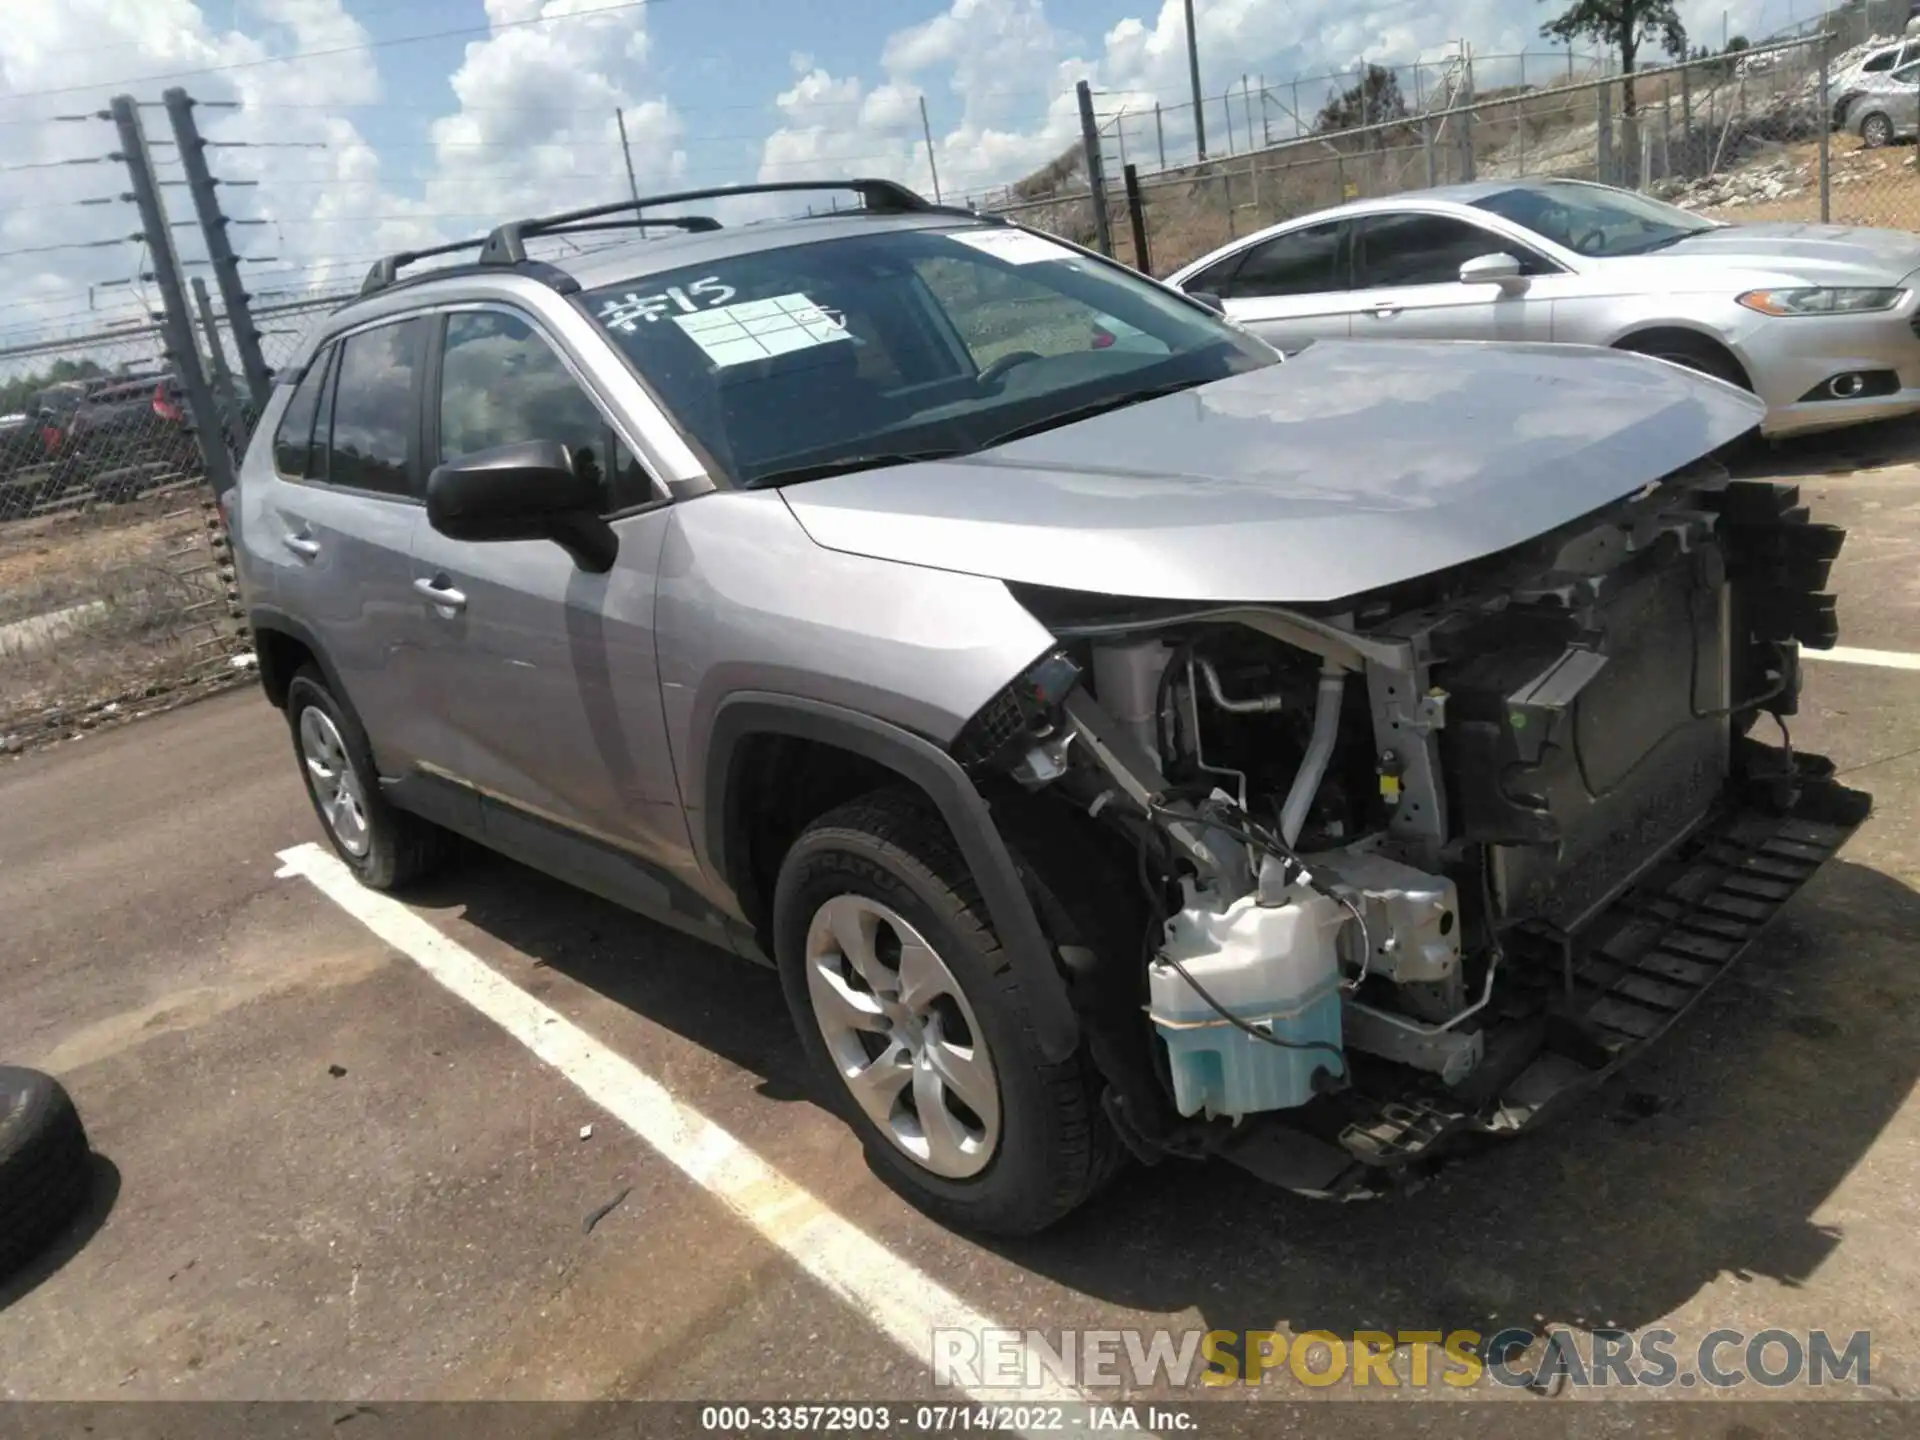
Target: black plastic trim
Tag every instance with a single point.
(935, 772)
(269, 618)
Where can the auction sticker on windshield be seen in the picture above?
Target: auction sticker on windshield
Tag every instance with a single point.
(1016, 247)
(758, 329)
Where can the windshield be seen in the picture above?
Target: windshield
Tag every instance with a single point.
(1594, 220)
(874, 349)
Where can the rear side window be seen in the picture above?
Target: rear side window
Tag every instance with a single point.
(1301, 262)
(293, 439)
(371, 444)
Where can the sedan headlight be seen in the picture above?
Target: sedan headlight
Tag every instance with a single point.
(1821, 300)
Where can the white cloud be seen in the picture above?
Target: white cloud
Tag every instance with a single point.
(536, 128)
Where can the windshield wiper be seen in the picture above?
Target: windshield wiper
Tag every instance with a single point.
(1087, 412)
(1663, 242)
(847, 465)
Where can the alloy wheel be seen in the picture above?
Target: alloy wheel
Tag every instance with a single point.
(335, 784)
(903, 1036)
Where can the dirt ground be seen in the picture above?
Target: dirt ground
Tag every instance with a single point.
(322, 1174)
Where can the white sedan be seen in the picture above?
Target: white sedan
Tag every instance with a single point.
(1818, 320)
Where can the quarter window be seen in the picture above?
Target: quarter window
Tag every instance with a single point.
(373, 413)
(293, 438)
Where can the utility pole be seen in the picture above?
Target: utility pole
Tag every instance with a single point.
(926, 132)
(1159, 135)
(626, 151)
(1193, 75)
(213, 226)
(1096, 169)
(175, 324)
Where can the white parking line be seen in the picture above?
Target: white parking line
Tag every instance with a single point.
(906, 1303)
(1885, 659)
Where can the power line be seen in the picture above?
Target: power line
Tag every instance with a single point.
(337, 50)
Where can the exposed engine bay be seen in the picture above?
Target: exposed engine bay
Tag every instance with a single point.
(1412, 865)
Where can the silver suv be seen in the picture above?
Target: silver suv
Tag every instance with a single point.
(1121, 740)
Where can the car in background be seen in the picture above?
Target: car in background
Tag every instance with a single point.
(125, 436)
(1818, 320)
(1883, 106)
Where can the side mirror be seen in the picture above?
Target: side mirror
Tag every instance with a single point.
(1207, 298)
(1496, 269)
(526, 491)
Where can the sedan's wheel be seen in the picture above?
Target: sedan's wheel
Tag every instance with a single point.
(911, 1015)
(384, 846)
(1876, 130)
(903, 1037)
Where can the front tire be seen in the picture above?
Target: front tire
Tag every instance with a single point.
(1876, 131)
(384, 847)
(911, 1016)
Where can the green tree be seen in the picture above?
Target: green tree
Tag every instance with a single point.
(1624, 26)
(1373, 99)
(18, 393)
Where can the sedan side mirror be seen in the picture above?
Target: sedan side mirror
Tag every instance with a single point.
(1207, 298)
(531, 490)
(1496, 269)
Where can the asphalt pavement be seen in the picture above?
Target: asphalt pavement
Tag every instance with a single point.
(325, 1169)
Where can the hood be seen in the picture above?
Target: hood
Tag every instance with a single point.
(1352, 466)
(1842, 254)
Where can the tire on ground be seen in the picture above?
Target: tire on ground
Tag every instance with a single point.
(1055, 1146)
(45, 1165)
(402, 848)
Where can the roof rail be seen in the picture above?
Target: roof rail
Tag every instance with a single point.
(386, 271)
(507, 244)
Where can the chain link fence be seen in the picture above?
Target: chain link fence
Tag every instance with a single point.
(114, 570)
(1746, 135)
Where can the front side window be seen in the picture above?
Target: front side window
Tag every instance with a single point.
(373, 412)
(293, 437)
(1595, 219)
(896, 344)
(1301, 262)
(501, 383)
(1415, 249)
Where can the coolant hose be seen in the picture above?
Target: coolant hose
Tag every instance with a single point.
(1313, 765)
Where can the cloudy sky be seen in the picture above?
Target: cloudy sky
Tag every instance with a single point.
(371, 125)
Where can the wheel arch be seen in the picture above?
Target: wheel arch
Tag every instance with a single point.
(749, 726)
(1639, 339)
(281, 646)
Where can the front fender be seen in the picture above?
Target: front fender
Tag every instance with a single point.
(920, 763)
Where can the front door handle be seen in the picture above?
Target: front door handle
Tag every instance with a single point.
(439, 591)
(1383, 309)
(300, 545)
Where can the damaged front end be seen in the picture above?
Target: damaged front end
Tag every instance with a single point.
(1413, 867)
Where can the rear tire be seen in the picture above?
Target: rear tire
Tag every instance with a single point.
(384, 846)
(46, 1167)
(1039, 1144)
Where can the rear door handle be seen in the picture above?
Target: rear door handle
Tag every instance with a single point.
(300, 545)
(440, 592)
(1383, 309)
